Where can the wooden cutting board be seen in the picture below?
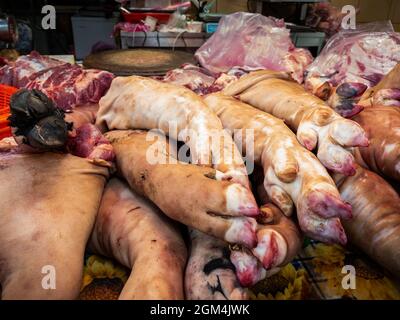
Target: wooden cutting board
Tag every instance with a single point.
(144, 62)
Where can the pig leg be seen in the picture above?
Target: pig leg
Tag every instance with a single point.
(190, 194)
(344, 99)
(136, 233)
(316, 125)
(47, 209)
(279, 241)
(387, 97)
(209, 274)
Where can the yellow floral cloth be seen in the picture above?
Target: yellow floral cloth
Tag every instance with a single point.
(102, 279)
(287, 284)
(370, 281)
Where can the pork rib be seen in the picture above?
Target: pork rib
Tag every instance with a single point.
(66, 84)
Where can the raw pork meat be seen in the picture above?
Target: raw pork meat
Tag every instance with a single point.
(200, 80)
(192, 77)
(68, 85)
(48, 206)
(360, 56)
(324, 17)
(252, 41)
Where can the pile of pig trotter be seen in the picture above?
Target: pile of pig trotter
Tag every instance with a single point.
(200, 195)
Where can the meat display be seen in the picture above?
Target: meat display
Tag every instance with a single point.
(48, 207)
(293, 175)
(317, 125)
(179, 213)
(190, 194)
(142, 103)
(375, 227)
(67, 85)
(253, 41)
(210, 275)
(133, 231)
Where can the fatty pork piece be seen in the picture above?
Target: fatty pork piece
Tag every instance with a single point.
(210, 275)
(68, 85)
(317, 125)
(136, 233)
(382, 125)
(375, 227)
(48, 207)
(187, 193)
(294, 178)
(142, 103)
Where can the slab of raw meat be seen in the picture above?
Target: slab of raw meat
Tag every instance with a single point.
(66, 84)
(355, 56)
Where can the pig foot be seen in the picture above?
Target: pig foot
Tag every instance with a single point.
(271, 248)
(387, 97)
(242, 231)
(249, 270)
(344, 100)
(210, 275)
(325, 230)
(334, 136)
(327, 205)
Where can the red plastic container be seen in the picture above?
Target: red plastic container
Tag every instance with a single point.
(135, 17)
(5, 94)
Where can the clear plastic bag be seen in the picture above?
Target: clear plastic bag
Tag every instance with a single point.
(363, 55)
(252, 41)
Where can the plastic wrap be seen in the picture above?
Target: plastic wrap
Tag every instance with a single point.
(252, 41)
(363, 55)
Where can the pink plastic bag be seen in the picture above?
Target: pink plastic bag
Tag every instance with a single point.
(363, 56)
(252, 41)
